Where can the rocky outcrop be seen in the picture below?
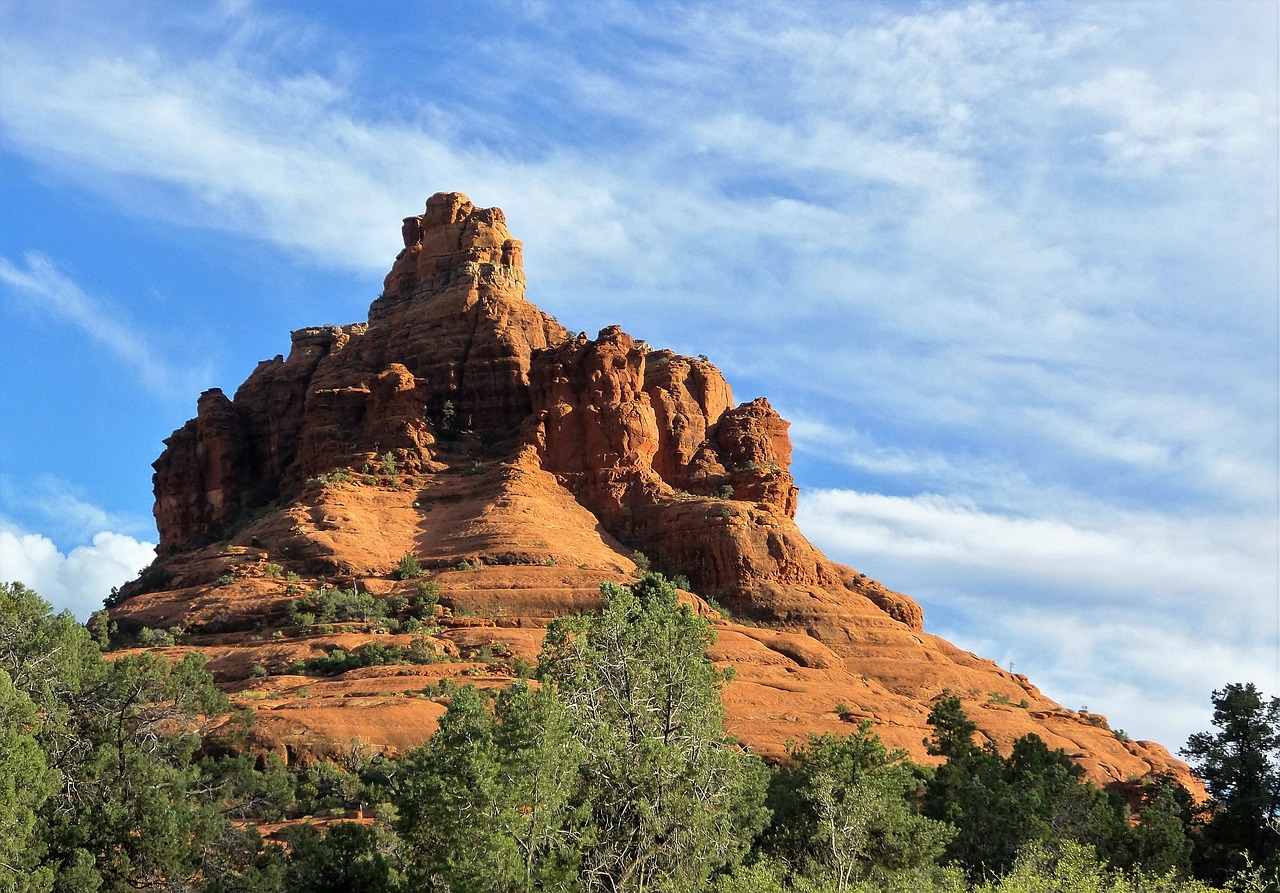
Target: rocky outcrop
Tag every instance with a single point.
(448, 344)
(523, 466)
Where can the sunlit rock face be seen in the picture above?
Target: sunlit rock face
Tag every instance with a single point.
(522, 465)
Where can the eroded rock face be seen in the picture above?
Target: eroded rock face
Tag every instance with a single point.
(523, 467)
(449, 342)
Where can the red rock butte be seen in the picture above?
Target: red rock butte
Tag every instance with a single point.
(523, 465)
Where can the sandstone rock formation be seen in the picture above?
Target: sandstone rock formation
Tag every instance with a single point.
(522, 466)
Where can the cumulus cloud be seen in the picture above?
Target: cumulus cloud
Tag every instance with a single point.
(77, 580)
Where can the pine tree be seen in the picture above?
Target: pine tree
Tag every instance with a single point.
(1240, 765)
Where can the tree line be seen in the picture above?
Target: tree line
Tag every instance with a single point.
(611, 772)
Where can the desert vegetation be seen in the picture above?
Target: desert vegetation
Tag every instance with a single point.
(608, 771)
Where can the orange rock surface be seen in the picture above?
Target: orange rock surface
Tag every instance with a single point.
(523, 466)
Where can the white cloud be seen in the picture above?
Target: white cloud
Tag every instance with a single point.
(1175, 560)
(278, 160)
(923, 223)
(62, 510)
(1157, 130)
(1151, 673)
(46, 291)
(77, 580)
(1157, 609)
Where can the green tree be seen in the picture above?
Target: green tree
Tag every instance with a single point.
(672, 799)
(840, 812)
(1070, 867)
(488, 803)
(1160, 842)
(1000, 804)
(26, 782)
(1240, 765)
(345, 858)
(128, 804)
(113, 808)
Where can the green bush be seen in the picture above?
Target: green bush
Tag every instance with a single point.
(409, 567)
(332, 605)
(154, 638)
(420, 651)
(388, 462)
(337, 476)
(424, 603)
(641, 562)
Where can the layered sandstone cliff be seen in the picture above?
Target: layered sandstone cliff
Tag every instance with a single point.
(522, 466)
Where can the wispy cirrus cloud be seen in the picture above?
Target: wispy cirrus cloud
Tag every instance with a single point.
(46, 291)
(1153, 130)
(62, 510)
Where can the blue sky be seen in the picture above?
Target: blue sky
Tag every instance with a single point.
(1009, 269)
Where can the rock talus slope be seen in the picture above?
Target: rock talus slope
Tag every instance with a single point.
(522, 465)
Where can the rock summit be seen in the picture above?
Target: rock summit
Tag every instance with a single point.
(462, 431)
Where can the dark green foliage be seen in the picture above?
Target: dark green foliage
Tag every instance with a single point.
(27, 781)
(841, 812)
(332, 605)
(102, 629)
(246, 788)
(1161, 841)
(488, 802)
(672, 799)
(1066, 866)
(446, 422)
(641, 561)
(976, 790)
(1240, 765)
(612, 773)
(419, 651)
(324, 787)
(121, 736)
(157, 638)
(1000, 805)
(409, 567)
(424, 603)
(237, 861)
(343, 859)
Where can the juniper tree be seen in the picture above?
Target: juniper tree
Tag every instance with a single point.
(672, 798)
